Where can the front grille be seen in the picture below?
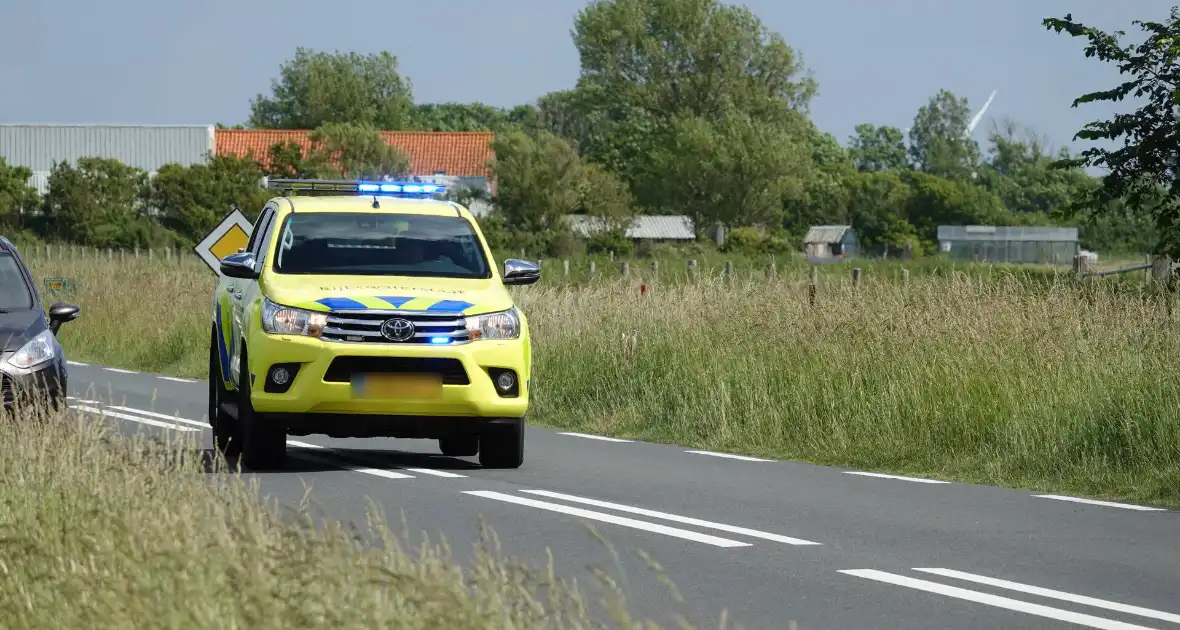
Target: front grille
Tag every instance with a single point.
(366, 327)
(342, 368)
(6, 390)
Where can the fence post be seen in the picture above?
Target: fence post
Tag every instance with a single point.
(729, 270)
(565, 267)
(772, 270)
(905, 276)
(812, 281)
(593, 266)
(655, 271)
(110, 255)
(855, 277)
(692, 269)
(48, 252)
(1161, 272)
(626, 269)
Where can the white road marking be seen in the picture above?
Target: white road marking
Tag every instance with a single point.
(884, 476)
(753, 533)
(124, 416)
(1126, 506)
(161, 416)
(731, 456)
(119, 370)
(376, 472)
(436, 473)
(177, 379)
(610, 518)
(1069, 597)
(68, 362)
(994, 600)
(83, 400)
(593, 437)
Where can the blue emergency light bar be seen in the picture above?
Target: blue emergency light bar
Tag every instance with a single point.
(345, 186)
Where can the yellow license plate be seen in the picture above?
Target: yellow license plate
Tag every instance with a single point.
(396, 386)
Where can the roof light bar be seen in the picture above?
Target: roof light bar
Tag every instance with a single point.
(391, 188)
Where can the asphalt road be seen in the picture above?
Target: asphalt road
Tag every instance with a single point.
(775, 544)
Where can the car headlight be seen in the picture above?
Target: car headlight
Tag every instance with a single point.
(284, 320)
(502, 325)
(38, 350)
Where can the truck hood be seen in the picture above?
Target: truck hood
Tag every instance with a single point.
(326, 293)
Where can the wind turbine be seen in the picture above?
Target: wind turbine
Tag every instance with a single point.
(979, 116)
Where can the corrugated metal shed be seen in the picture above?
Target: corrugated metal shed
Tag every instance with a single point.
(648, 227)
(1007, 233)
(825, 233)
(39, 146)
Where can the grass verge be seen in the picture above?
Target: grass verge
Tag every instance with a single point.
(990, 376)
(102, 531)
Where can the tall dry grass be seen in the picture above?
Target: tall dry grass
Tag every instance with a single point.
(102, 531)
(986, 375)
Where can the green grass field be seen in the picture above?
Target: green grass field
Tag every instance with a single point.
(1010, 376)
(103, 531)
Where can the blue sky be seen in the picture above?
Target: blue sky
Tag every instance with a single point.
(135, 61)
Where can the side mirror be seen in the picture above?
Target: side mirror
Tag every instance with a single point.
(60, 313)
(239, 265)
(520, 272)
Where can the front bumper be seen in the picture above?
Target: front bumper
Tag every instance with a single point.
(38, 384)
(321, 384)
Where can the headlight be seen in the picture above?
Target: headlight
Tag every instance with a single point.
(284, 320)
(502, 325)
(38, 350)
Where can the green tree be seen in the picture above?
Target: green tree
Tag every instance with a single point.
(735, 171)
(538, 178)
(317, 87)
(936, 201)
(878, 148)
(99, 203)
(1145, 171)
(191, 200)
(939, 143)
(471, 117)
(17, 198)
(1021, 172)
(878, 206)
(339, 150)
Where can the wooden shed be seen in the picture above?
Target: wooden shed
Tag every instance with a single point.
(830, 241)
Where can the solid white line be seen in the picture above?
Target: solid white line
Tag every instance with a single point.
(83, 400)
(376, 472)
(68, 362)
(424, 471)
(1126, 506)
(161, 416)
(124, 416)
(1069, 597)
(884, 476)
(119, 370)
(674, 517)
(303, 444)
(995, 600)
(592, 437)
(177, 379)
(731, 456)
(610, 518)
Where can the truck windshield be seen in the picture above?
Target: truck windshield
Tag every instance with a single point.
(14, 291)
(368, 244)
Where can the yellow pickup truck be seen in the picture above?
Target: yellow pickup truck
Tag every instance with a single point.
(368, 309)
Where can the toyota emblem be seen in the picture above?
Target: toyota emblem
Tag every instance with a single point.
(397, 329)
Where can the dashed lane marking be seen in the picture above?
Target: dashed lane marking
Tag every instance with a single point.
(68, 362)
(177, 379)
(139, 419)
(1125, 506)
(330, 461)
(593, 437)
(162, 416)
(120, 370)
(994, 600)
(609, 518)
(884, 476)
(745, 458)
(753, 533)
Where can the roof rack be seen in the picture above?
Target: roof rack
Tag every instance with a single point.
(398, 188)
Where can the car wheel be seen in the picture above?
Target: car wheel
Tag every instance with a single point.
(227, 439)
(264, 442)
(463, 445)
(503, 446)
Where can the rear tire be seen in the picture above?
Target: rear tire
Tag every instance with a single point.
(227, 438)
(462, 445)
(264, 442)
(503, 446)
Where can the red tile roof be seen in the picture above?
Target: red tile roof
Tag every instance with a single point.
(460, 153)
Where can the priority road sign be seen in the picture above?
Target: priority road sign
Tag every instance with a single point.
(226, 238)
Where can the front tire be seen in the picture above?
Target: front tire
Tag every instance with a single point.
(227, 438)
(462, 445)
(264, 442)
(503, 446)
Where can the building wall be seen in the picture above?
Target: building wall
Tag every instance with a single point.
(147, 147)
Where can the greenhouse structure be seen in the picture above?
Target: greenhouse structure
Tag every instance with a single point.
(1009, 244)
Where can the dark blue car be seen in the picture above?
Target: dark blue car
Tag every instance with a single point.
(32, 364)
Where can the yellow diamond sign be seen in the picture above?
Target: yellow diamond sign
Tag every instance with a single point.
(226, 238)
